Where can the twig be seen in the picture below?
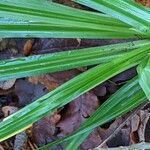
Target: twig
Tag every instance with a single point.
(139, 146)
(129, 116)
(1, 148)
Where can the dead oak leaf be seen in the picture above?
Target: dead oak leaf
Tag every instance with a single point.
(138, 126)
(93, 140)
(53, 80)
(28, 92)
(144, 2)
(27, 48)
(5, 85)
(73, 114)
(8, 110)
(44, 130)
(76, 112)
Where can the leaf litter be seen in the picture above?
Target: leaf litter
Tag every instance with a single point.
(129, 129)
(65, 120)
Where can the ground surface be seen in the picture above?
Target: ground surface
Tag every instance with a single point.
(15, 94)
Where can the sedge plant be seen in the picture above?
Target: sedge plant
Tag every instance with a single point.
(117, 19)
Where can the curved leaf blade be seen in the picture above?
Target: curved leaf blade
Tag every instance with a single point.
(144, 76)
(47, 19)
(68, 91)
(48, 63)
(127, 11)
(124, 100)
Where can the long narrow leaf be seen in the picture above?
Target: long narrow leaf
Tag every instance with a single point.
(125, 99)
(144, 76)
(55, 31)
(127, 11)
(40, 64)
(52, 13)
(67, 92)
(45, 19)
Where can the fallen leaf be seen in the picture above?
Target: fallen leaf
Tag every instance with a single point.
(27, 49)
(54, 45)
(28, 92)
(45, 80)
(72, 115)
(5, 85)
(134, 127)
(8, 110)
(138, 131)
(93, 140)
(21, 141)
(1, 148)
(119, 132)
(76, 112)
(125, 76)
(44, 130)
(68, 3)
(52, 81)
(144, 2)
(116, 135)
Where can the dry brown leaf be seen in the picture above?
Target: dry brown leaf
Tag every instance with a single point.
(20, 142)
(92, 141)
(76, 112)
(138, 123)
(44, 130)
(5, 85)
(27, 49)
(52, 81)
(46, 80)
(144, 2)
(71, 116)
(54, 45)
(28, 92)
(134, 127)
(118, 133)
(1, 148)
(8, 110)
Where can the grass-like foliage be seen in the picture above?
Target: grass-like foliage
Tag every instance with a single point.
(39, 18)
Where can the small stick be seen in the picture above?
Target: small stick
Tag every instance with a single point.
(138, 146)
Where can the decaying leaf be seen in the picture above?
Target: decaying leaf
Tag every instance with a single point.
(28, 92)
(138, 126)
(43, 131)
(54, 45)
(21, 141)
(45, 80)
(93, 140)
(1, 148)
(76, 112)
(5, 85)
(70, 117)
(8, 110)
(27, 49)
(144, 2)
(123, 131)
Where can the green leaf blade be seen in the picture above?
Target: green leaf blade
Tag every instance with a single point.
(48, 63)
(68, 91)
(127, 11)
(125, 99)
(144, 76)
(58, 21)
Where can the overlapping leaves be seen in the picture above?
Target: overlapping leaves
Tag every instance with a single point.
(46, 19)
(40, 64)
(69, 91)
(144, 76)
(127, 11)
(128, 97)
(25, 18)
